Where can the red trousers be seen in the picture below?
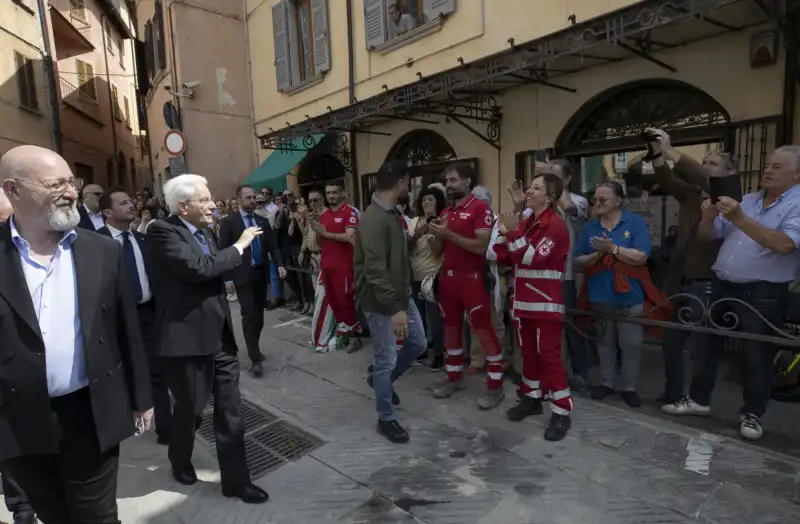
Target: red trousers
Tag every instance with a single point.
(542, 367)
(459, 293)
(340, 291)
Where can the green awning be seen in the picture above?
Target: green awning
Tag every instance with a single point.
(272, 171)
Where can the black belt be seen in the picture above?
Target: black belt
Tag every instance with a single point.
(149, 303)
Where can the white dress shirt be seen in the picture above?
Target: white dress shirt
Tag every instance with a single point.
(97, 218)
(54, 294)
(116, 234)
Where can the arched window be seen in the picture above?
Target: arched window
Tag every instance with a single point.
(421, 147)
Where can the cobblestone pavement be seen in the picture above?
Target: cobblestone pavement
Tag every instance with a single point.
(462, 466)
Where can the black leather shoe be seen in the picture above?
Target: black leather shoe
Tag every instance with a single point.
(249, 494)
(186, 477)
(392, 431)
(25, 517)
(601, 392)
(257, 370)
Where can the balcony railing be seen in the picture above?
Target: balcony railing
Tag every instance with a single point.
(80, 99)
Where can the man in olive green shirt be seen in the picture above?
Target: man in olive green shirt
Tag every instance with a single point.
(383, 293)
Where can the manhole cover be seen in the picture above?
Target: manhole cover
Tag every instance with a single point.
(285, 440)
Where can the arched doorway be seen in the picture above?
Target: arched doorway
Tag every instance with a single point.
(613, 121)
(426, 153)
(317, 170)
(134, 181)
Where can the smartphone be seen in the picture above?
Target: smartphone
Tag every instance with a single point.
(728, 186)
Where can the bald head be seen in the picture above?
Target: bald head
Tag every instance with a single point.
(41, 188)
(32, 162)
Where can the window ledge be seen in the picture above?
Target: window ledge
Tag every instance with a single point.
(305, 84)
(31, 110)
(24, 6)
(415, 34)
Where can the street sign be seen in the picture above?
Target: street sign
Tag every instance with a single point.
(175, 142)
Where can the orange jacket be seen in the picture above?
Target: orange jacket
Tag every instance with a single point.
(656, 303)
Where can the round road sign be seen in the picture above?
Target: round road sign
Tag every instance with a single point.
(175, 142)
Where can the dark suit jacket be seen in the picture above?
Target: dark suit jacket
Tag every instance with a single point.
(191, 306)
(231, 228)
(116, 364)
(86, 220)
(144, 247)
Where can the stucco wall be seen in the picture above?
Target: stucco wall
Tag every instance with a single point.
(20, 126)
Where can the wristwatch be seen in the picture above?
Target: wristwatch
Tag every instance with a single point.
(615, 250)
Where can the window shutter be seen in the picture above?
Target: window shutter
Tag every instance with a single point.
(322, 44)
(280, 32)
(433, 9)
(25, 81)
(148, 51)
(375, 22)
(158, 38)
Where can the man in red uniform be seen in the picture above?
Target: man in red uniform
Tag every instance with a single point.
(465, 229)
(336, 227)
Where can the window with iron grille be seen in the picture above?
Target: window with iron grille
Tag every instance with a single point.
(77, 9)
(87, 89)
(26, 81)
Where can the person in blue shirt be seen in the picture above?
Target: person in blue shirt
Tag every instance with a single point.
(624, 236)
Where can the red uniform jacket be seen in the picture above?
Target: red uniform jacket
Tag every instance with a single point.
(538, 249)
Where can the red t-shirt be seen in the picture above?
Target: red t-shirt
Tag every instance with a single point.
(465, 220)
(338, 255)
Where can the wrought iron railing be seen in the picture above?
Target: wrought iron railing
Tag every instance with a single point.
(79, 98)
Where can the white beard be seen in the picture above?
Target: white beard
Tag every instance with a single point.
(62, 218)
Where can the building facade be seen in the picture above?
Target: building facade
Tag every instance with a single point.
(26, 104)
(503, 83)
(96, 72)
(69, 84)
(197, 83)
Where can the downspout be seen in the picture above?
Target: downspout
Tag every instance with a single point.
(174, 67)
(250, 79)
(50, 74)
(790, 76)
(351, 95)
(115, 162)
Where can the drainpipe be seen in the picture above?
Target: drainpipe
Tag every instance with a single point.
(115, 162)
(250, 77)
(175, 85)
(50, 74)
(790, 77)
(351, 94)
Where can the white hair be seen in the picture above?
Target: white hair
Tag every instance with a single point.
(481, 193)
(792, 150)
(181, 189)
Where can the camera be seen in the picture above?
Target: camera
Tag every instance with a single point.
(649, 136)
(191, 85)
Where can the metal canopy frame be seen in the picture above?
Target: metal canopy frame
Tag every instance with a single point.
(444, 94)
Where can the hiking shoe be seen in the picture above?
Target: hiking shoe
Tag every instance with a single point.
(558, 428)
(448, 388)
(526, 407)
(491, 398)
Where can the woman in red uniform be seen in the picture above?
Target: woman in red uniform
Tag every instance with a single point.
(538, 247)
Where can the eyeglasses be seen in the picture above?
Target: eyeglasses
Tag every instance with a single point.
(56, 186)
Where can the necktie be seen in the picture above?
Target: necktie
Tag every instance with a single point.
(201, 238)
(130, 264)
(255, 247)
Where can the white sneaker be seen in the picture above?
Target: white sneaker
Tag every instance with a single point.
(686, 406)
(751, 427)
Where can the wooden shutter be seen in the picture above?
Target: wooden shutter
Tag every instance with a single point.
(322, 43)
(433, 9)
(86, 86)
(26, 81)
(148, 51)
(375, 22)
(77, 9)
(158, 38)
(280, 33)
(127, 108)
(115, 103)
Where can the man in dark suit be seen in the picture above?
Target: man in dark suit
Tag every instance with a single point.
(73, 370)
(120, 211)
(195, 331)
(250, 278)
(91, 215)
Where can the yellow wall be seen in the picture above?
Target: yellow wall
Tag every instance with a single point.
(534, 116)
(477, 29)
(22, 33)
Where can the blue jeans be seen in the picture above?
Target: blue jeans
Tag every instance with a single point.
(274, 281)
(431, 319)
(389, 363)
